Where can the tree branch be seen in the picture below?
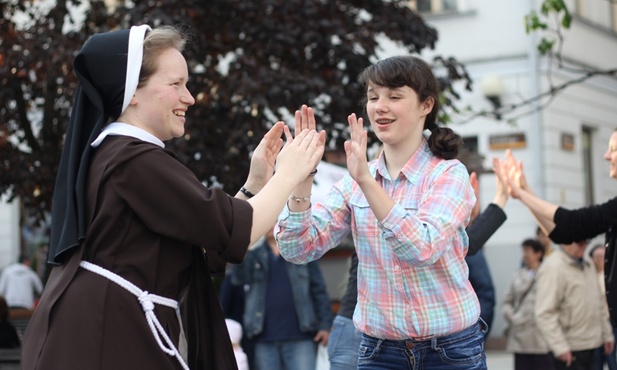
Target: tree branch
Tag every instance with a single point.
(24, 122)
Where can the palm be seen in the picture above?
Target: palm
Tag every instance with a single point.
(355, 148)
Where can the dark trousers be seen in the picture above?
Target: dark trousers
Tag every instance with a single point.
(529, 361)
(583, 360)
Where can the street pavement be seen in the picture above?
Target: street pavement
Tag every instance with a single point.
(499, 360)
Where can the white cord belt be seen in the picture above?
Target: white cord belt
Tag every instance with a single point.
(147, 301)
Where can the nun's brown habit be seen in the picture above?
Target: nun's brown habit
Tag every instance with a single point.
(132, 208)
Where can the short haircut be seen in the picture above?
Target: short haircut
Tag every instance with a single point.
(535, 245)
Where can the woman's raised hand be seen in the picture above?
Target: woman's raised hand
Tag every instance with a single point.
(301, 154)
(355, 149)
(305, 120)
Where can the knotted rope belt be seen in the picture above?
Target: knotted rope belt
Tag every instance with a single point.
(147, 302)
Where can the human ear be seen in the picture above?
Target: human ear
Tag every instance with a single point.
(427, 105)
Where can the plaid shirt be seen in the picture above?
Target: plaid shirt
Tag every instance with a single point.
(412, 276)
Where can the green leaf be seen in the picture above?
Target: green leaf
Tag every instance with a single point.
(545, 46)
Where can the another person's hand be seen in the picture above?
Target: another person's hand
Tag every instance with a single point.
(305, 119)
(501, 183)
(609, 347)
(301, 154)
(566, 357)
(322, 337)
(515, 175)
(355, 149)
(475, 211)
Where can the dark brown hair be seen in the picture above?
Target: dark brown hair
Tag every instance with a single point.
(414, 72)
(535, 245)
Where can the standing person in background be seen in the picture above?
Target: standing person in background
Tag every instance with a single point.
(530, 350)
(287, 310)
(135, 234)
(20, 285)
(569, 308)
(597, 255)
(406, 212)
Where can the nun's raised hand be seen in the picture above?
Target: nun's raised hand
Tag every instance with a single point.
(264, 158)
(300, 155)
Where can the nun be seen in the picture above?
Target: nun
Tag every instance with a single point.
(135, 234)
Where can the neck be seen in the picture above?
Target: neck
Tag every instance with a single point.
(398, 156)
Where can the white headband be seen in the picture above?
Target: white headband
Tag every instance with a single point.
(133, 65)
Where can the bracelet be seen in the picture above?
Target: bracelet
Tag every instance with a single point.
(312, 173)
(298, 199)
(248, 194)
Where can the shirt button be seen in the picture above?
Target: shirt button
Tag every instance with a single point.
(397, 267)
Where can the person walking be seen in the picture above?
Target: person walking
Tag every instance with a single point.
(531, 352)
(20, 285)
(135, 235)
(406, 212)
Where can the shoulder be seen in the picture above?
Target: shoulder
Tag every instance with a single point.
(137, 156)
(552, 263)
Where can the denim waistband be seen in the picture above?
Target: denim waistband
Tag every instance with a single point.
(444, 339)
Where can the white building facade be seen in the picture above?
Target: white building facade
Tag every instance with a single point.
(561, 145)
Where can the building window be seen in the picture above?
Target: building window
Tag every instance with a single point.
(434, 6)
(586, 138)
(602, 13)
(470, 157)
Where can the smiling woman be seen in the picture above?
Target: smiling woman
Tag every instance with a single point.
(406, 211)
(132, 254)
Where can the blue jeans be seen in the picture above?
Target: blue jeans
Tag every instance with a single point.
(343, 344)
(293, 354)
(461, 350)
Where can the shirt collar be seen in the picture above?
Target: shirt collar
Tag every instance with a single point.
(124, 129)
(410, 170)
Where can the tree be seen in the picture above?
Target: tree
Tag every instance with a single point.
(252, 63)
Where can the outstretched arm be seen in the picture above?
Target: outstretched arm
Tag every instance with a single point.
(491, 219)
(542, 211)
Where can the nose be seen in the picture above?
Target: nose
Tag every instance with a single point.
(381, 105)
(187, 97)
(607, 154)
